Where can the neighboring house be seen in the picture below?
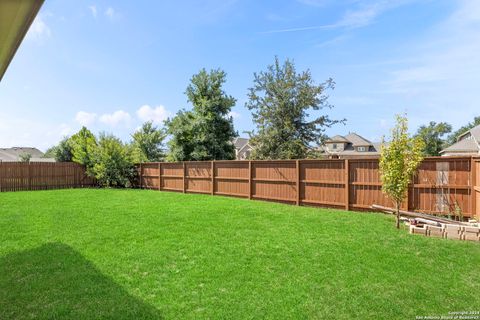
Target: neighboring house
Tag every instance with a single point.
(468, 144)
(350, 146)
(242, 148)
(15, 153)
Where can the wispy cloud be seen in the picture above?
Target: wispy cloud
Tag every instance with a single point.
(364, 15)
(315, 3)
(111, 13)
(444, 73)
(93, 10)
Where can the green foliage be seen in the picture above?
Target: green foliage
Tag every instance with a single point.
(50, 153)
(206, 132)
(112, 163)
(25, 157)
(63, 152)
(399, 161)
(83, 145)
(432, 134)
(147, 143)
(181, 129)
(281, 101)
(453, 137)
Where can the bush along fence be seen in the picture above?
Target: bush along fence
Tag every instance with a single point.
(22, 176)
(443, 185)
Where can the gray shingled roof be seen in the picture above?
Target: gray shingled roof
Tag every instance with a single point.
(466, 145)
(338, 138)
(239, 143)
(13, 154)
(357, 140)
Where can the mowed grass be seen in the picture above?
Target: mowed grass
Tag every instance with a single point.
(138, 254)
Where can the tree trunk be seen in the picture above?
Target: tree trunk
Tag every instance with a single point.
(397, 206)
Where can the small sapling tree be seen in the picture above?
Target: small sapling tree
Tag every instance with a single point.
(399, 160)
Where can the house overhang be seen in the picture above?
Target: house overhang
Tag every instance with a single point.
(16, 16)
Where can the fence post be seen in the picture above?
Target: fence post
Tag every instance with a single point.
(159, 176)
(212, 176)
(347, 184)
(141, 176)
(29, 176)
(184, 179)
(249, 179)
(297, 164)
(473, 192)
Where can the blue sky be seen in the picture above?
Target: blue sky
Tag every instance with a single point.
(111, 65)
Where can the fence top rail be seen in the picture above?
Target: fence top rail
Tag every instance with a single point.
(446, 158)
(44, 163)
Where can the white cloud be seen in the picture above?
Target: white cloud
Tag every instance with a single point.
(85, 118)
(116, 118)
(93, 10)
(157, 114)
(234, 115)
(39, 30)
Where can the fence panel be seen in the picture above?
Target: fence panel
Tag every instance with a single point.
(274, 180)
(232, 178)
(365, 184)
(443, 185)
(323, 182)
(23, 176)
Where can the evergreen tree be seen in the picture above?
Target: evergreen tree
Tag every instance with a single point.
(206, 132)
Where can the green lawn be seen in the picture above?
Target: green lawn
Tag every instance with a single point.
(133, 254)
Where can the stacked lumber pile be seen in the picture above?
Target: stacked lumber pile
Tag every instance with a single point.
(447, 231)
(432, 226)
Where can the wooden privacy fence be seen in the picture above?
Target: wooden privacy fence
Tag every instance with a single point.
(443, 185)
(19, 176)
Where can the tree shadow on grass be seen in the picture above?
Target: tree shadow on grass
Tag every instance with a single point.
(54, 281)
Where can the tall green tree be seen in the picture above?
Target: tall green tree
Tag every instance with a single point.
(399, 160)
(206, 132)
(284, 104)
(453, 137)
(83, 144)
(147, 143)
(433, 136)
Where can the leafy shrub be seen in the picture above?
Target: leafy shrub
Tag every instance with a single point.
(112, 162)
